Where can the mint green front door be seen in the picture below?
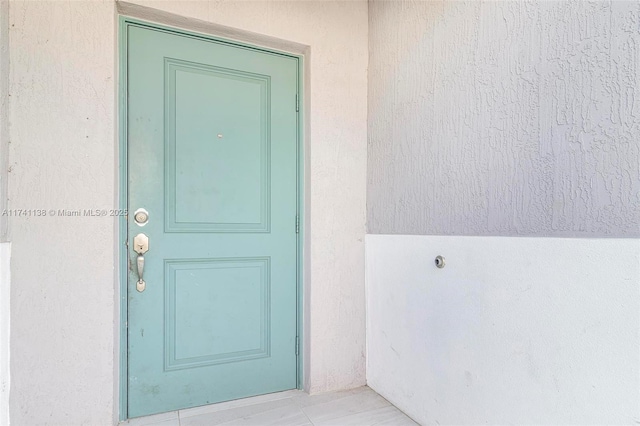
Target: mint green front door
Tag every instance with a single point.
(212, 159)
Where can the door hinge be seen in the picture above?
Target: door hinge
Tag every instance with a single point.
(297, 224)
(297, 102)
(297, 345)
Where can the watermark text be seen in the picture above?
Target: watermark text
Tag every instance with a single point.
(64, 212)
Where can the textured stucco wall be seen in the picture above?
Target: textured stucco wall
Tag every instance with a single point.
(4, 114)
(5, 323)
(504, 118)
(5, 248)
(64, 153)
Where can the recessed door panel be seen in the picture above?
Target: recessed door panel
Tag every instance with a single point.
(217, 310)
(218, 149)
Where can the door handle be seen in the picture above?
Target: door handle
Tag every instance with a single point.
(140, 246)
(140, 262)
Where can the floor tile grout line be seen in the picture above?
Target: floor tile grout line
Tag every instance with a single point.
(388, 405)
(297, 404)
(396, 407)
(303, 412)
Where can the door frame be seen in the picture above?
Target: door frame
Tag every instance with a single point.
(124, 22)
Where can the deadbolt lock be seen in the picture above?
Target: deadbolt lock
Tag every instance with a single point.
(141, 216)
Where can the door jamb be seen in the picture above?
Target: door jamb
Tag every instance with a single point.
(124, 22)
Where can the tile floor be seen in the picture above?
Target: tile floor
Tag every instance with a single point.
(356, 407)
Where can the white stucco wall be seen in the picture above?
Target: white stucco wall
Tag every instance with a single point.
(5, 332)
(512, 119)
(511, 331)
(4, 114)
(5, 248)
(504, 118)
(64, 154)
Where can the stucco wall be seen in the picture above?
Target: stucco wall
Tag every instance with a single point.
(64, 154)
(5, 323)
(511, 331)
(497, 119)
(4, 114)
(5, 248)
(504, 118)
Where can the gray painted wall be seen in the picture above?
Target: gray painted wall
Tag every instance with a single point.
(504, 118)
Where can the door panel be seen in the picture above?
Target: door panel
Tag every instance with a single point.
(212, 154)
(232, 110)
